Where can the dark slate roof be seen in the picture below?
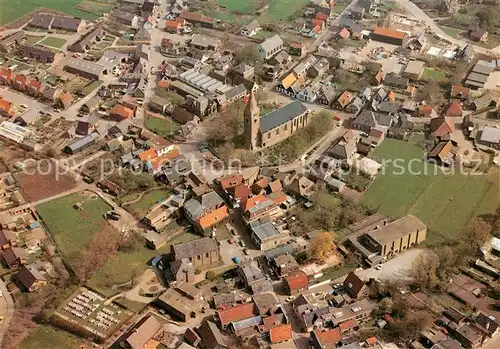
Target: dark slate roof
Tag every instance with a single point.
(41, 20)
(388, 107)
(396, 80)
(383, 119)
(366, 118)
(282, 115)
(211, 335)
(194, 248)
(235, 91)
(66, 23)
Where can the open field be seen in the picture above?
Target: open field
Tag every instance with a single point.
(445, 202)
(247, 7)
(147, 201)
(160, 126)
(53, 42)
(453, 32)
(72, 229)
(433, 75)
(13, 10)
(45, 336)
(44, 183)
(136, 262)
(281, 10)
(98, 8)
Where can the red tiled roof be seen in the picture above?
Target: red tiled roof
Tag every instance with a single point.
(425, 109)
(253, 201)
(344, 33)
(460, 91)
(371, 340)
(319, 22)
(297, 45)
(278, 198)
(66, 98)
(454, 109)
(237, 313)
(241, 192)
(7, 73)
(173, 24)
(148, 154)
(214, 217)
(276, 186)
(230, 181)
(5, 105)
(121, 111)
(297, 281)
(328, 337)
(164, 83)
(159, 161)
(280, 334)
(376, 133)
(36, 85)
(347, 325)
(322, 16)
(317, 29)
(389, 33)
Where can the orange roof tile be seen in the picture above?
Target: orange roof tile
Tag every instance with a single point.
(122, 111)
(297, 281)
(7, 73)
(237, 313)
(454, 109)
(317, 28)
(392, 96)
(5, 105)
(347, 325)
(278, 198)
(276, 186)
(66, 98)
(322, 16)
(389, 33)
(230, 181)
(280, 334)
(460, 91)
(289, 80)
(164, 83)
(254, 200)
(344, 33)
(371, 340)
(241, 192)
(317, 21)
(328, 337)
(214, 217)
(173, 24)
(148, 154)
(159, 161)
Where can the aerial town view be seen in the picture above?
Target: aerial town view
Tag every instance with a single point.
(275, 174)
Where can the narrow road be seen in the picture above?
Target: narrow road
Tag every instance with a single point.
(422, 16)
(6, 310)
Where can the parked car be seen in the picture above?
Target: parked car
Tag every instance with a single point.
(236, 260)
(379, 267)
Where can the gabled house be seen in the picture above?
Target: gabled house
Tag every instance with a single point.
(344, 99)
(454, 110)
(14, 256)
(271, 46)
(440, 127)
(355, 287)
(327, 95)
(251, 29)
(355, 106)
(295, 283)
(30, 278)
(459, 92)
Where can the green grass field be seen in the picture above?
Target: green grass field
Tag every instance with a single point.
(124, 266)
(281, 10)
(246, 7)
(162, 127)
(30, 40)
(14, 10)
(98, 8)
(49, 337)
(445, 202)
(53, 42)
(326, 200)
(147, 201)
(73, 229)
(453, 32)
(433, 75)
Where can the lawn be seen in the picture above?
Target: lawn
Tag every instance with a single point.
(98, 8)
(430, 74)
(124, 266)
(53, 42)
(72, 229)
(147, 201)
(161, 126)
(14, 10)
(44, 336)
(453, 32)
(30, 40)
(237, 6)
(338, 8)
(326, 200)
(281, 10)
(444, 201)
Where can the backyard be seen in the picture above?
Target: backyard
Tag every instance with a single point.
(136, 262)
(45, 336)
(453, 32)
(442, 200)
(146, 202)
(12, 11)
(72, 229)
(433, 75)
(53, 42)
(161, 126)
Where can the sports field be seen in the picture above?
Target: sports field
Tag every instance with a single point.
(13, 10)
(445, 202)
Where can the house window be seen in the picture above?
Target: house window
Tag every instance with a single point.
(286, 127)
(207, 254)
(278, 131)
(199, 257)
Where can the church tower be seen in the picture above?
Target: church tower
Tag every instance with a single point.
(252, 122)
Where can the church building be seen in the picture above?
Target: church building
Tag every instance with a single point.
(274, 127)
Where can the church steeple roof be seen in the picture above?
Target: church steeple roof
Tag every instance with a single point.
(252, 108)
